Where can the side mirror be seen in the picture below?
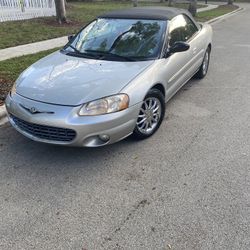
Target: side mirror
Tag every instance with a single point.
(70, 37)
(178, 47)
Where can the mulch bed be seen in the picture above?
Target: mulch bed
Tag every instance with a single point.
(5, 87)
(54, 23)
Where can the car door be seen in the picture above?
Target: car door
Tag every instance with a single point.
(196, 42)
(179, 65)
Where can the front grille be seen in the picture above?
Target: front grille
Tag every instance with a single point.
(45, 132)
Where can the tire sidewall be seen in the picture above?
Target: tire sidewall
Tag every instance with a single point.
(207, 51)
(200, 74)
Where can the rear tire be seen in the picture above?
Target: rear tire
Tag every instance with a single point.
(151, 115)
(204, 66)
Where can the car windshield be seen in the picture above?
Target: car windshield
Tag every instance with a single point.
(119, 39)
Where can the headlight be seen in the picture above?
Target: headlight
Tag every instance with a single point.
(105, 105)
(13, 90)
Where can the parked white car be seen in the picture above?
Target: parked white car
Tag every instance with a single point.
(112, 79)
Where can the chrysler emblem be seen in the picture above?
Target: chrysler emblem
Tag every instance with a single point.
(33, 110)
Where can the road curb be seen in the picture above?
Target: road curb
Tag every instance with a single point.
(224, 16)
(3, 115)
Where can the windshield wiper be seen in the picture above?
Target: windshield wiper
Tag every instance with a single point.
(79, 53)
(106, 53)
(75, 49)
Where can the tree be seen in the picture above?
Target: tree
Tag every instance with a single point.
(135, 3)
(193, 7)
(170, 2)
(60, 11)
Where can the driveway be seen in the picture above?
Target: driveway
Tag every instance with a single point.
(187, 187)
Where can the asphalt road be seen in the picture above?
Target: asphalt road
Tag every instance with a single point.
(187, 187)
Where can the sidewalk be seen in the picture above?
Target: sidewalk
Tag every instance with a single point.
(209, 7)
(33, 48)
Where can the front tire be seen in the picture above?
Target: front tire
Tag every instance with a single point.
(204, 66)
(151, 115)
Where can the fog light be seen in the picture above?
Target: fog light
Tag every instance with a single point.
(104, 138)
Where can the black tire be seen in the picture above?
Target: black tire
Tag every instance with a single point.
(205, 63)
(152, 117)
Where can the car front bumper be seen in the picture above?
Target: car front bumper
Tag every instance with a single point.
(88, 129)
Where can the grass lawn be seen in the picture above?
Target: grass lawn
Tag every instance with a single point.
(79, 13)
(10, 69)
(210, 14)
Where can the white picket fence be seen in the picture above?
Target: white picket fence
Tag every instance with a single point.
(11, 10)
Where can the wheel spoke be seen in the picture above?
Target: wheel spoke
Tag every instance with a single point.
(146, 127)
(142, 110)
(143, 125)
(154, 105)
(150, 104)
(142, 116)
(141, 121)
(155, 119)
(155, 109)
(150, 123)
(156, 115)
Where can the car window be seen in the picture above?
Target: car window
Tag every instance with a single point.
(124, 37)
(190, 28)
(181, 29)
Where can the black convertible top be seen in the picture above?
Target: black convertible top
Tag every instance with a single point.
(150, 13)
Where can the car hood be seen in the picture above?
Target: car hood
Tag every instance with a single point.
(67, 80)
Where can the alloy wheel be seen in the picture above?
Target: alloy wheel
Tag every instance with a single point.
(205, 63)
(149, 116)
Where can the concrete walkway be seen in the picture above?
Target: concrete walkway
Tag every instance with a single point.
(209, 7)
(33, 48)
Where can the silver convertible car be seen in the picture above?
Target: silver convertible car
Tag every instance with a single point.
(112, 79)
